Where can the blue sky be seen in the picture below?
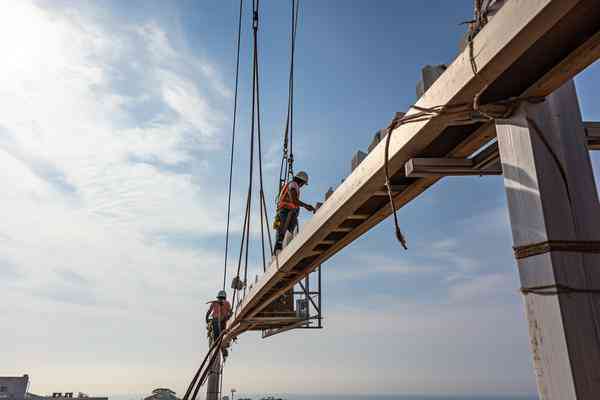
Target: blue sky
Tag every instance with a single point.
(114, 142)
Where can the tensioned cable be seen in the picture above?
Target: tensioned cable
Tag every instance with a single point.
(235, 97)
(264, 219)
(286, 169)
(244, 247)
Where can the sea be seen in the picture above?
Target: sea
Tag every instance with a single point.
(355, 397)
(403, 397)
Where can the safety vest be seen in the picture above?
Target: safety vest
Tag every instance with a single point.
(285, 198)
(219, 310)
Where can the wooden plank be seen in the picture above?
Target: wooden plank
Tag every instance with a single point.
(358, 216)
(592, 130)
(517, 27)
(268, 320)
(577, 61)
(276, 331)
(424, 167)
(563, 327)
(327, 242)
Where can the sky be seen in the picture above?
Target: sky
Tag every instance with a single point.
(114, 146)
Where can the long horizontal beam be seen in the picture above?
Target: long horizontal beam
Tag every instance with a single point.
(522, 28)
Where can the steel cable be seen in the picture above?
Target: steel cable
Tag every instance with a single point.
(235, 97)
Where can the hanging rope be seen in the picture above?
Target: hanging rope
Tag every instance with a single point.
(462, 112)
(480, 10)
(235, 97)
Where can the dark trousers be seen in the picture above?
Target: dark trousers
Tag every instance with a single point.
(217, 327)
(288, 222)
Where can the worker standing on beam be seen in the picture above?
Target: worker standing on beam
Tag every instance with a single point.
(289, 207)
(217, 315)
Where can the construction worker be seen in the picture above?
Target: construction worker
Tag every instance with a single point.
(289, 206)
(218, 313)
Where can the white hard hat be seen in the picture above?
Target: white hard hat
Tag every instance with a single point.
(303, 176)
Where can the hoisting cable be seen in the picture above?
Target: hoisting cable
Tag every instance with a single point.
(235, 97)
(202, 373)
(264, 218)
(286, 170)
(254, 131)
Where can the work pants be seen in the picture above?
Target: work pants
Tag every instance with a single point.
(288, 222)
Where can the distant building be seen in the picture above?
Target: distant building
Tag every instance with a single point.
(64, 396)
(16, 388)
(162, 394)
(13, 387)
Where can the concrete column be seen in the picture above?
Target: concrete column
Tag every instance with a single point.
(564, 325)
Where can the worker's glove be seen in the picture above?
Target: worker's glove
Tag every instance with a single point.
(310, 208)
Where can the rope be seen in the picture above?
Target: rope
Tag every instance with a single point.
(563, 174)
(475, 25)
(235, 97)
(461, 112)
(575, 246)
(556, 289)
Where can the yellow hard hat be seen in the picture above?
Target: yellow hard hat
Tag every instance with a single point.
(303, 176)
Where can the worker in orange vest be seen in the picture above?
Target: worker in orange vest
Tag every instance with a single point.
(289, 207)
(218, 313)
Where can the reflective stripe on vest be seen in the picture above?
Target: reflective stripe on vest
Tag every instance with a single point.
(285, 201)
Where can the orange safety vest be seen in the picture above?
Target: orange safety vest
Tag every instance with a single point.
(220, 311)
(285, 198)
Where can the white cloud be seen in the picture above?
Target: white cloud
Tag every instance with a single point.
(100, 122)
(363, 265)
(96, 118)
(395, 347)
(482, 287)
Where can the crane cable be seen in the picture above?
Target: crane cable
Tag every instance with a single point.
(255, 130)
(235, 97)
(286, 169)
